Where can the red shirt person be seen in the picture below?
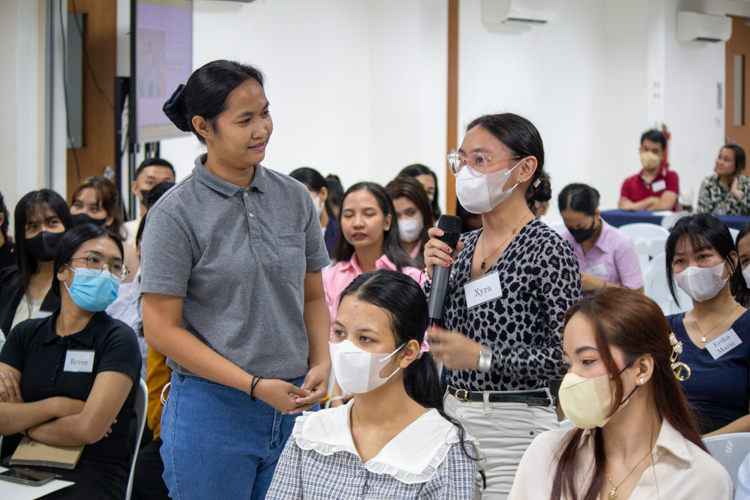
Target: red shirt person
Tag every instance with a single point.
(655, 187)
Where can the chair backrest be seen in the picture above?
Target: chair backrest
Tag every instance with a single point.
(656, 287)
(566, 424)
(730, 450)
(644, 231)
(734, 232)
(141, 402)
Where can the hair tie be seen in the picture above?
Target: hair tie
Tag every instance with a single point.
(174, 108)
(425, 347)
(536, 183)
(681, 370)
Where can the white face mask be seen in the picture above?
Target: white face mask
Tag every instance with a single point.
(409, 230)
(702, 283)
(746, 275)
(480, 195)
(358, 371)
(319, 206)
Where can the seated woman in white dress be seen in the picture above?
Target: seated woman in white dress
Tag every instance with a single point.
(636, 437)
(392, 440)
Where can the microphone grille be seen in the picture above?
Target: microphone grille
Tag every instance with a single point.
(451, 226)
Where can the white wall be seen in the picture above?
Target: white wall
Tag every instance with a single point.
(21, 99)
(357, 87)
(588, 82)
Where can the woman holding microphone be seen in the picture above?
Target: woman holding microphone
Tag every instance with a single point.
(512, 282)
(237, 303)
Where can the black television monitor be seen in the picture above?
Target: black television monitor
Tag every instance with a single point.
(161, 58)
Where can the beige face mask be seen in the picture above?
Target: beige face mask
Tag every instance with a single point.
(587, 401)
(649, 160)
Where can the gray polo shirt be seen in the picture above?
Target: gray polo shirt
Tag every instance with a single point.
(238, 256)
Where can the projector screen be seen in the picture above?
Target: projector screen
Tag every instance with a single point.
(161, 59)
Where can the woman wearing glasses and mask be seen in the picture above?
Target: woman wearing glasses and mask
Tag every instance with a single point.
(70, 379)
(512, 282)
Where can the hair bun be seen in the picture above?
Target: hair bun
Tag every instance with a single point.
(174, 108)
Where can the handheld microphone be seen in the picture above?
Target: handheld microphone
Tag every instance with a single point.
(451, 227)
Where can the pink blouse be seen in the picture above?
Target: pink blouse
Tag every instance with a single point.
(338, 277)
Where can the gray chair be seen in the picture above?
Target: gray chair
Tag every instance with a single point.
(141, 404)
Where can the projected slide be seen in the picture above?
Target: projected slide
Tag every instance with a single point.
(163, 60)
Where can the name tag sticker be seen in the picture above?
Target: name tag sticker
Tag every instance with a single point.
(79, 361)
(599, 270)
(722, 345)
(658, 186)
(483, 290)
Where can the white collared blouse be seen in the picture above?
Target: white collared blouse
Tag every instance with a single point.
(680, 470)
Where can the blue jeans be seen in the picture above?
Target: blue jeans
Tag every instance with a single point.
(219, 444)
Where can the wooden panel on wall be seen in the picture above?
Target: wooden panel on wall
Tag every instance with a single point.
(100, 47)
(739, 44)
(452, 126)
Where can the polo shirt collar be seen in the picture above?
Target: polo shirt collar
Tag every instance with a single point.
(604, 236)
(84, 337)
(669, 440)
(382, 263)
(223, 187)
(661, 175)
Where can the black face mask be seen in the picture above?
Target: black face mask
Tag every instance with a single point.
(42, 246)
(581, 235)
(144, 196)
(79, 219)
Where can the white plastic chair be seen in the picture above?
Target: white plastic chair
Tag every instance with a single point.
(730, 450)
(656, 287)
(670, 220)
(734, 232)
(141, 404)
(643, 231)
(559, 227)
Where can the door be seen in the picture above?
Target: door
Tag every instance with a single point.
(737, 110)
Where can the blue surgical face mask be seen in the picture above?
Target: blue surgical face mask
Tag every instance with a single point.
(93, 290)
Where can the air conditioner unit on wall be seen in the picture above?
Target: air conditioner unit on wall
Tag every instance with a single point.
(696, 27)
(530, 12)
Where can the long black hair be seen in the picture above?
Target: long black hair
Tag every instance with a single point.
(405, 303)
(742, 296)
(72, 241)
(206, 92)
(706, 230)
(391, 243)
(418, 169)
(33, 203)
(579, 198)
(314, 181)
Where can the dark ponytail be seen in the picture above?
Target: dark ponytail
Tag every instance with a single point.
(404, 302)
(540, 191)
(206, 91)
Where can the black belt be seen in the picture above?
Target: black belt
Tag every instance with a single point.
(531, 398)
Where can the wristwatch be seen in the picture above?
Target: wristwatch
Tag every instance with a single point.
(485, 359)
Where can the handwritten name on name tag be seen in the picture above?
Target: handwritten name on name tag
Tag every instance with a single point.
(79, 361)
(723, 344)
(483, 290)
(658, 186)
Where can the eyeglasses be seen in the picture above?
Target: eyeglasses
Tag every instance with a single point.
(477, 162)
(94, 263)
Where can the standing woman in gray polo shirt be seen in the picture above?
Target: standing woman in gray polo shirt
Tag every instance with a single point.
(233, 294)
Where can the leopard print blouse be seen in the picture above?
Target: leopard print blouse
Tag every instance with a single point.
(540, 280)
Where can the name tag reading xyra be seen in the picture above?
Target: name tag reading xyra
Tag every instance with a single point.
(483, 290)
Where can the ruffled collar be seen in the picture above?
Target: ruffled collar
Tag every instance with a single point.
(413, 456)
